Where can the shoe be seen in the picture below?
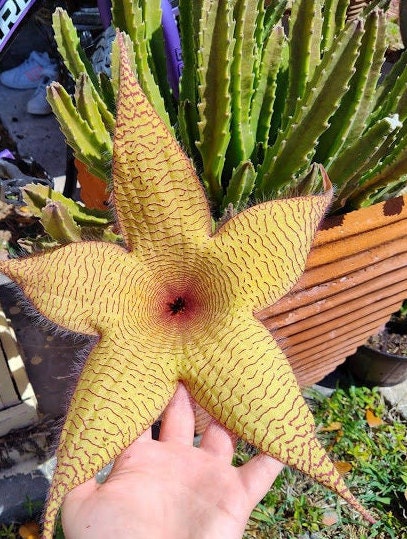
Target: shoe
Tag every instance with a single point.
(101, 57)
(38, 104)
(28, 74)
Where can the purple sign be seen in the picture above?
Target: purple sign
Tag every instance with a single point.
(11, 14)
(172, 46)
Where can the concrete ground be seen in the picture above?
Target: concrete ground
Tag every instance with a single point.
(38, 137)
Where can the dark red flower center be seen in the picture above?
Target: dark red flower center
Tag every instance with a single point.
(177, 306)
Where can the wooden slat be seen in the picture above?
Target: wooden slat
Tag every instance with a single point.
(18, 404)
(8, 394)
(18, 416)
(356, 276)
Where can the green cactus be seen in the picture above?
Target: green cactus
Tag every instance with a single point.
(65, 220)
(258, 105)
(295, 145)
(141, 21)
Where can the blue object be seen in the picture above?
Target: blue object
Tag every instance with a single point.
(105, 11)
(172, 44)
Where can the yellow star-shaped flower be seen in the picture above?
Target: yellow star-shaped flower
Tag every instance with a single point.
(176, 303)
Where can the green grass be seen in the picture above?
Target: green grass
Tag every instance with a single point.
(297, 507)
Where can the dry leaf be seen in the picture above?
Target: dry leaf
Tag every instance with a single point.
(329, 518)
(372, 419)
(343, 467)
(30, 530)
(335, 425)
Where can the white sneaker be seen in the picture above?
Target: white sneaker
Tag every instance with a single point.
(29, 73)
(38, 104)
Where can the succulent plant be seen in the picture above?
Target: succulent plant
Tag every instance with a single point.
(262, 97)
(176, 303)
(65, 220)
(257, 107)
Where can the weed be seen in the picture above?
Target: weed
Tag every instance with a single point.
(8, 531)
(33, 507)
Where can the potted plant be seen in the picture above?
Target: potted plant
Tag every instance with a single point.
(256, 111)
(383, 359)
(284, 111)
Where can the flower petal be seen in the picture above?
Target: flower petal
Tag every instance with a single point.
(81, 286)
(246, 383)
(159, 201)
(266, 246)
(122, 390)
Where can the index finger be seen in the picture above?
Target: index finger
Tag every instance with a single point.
(258, 475)
(178, 423)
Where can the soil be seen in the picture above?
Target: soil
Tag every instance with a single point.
(393, 339)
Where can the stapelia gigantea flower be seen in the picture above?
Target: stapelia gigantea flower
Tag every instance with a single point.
(176, 303)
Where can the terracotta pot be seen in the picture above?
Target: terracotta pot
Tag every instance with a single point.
(378, 368)
(355, 278)
(93, 189)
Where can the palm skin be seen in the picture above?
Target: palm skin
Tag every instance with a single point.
(168, 488)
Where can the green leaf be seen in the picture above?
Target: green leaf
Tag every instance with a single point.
(272, 16)
(129, 18)
(391, 95)
(243, 68)
(37, 196)
(109, 96)
(295, 145)
(215, 58)
(280, 93)
(69, 47)
(348, 165)
(389, 171)
(304, 44)
(189, 14)
(265, 92)
(329, 24)
(87, 108)
(76, 61)
(152, 14)
(59, 223)
(350, 119)
(240, 186)
(79, 134)
(310, 182)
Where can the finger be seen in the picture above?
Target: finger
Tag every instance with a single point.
(131, 450)
(218, 441)
(258, 475)
(179, 418)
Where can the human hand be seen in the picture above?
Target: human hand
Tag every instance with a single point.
(170, 489)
